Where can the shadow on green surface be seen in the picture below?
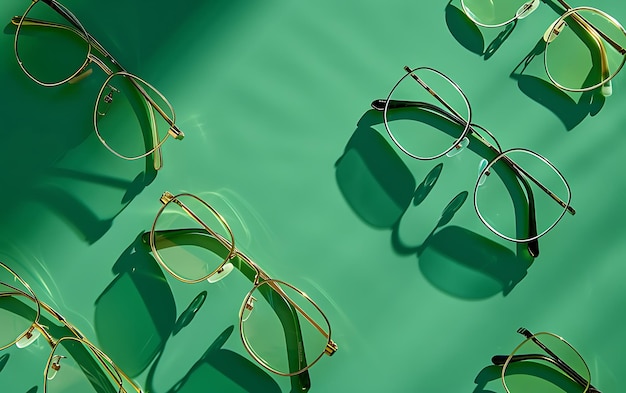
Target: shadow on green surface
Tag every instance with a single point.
(469, 35)
(571, 112)
(141, 296)
(485, 376)
(222, 370)
(379, 188)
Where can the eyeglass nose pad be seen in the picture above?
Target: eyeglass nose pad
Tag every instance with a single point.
(55, 366)
(482, 176)
(247, 310)
(221, 273)
(459, 147)
(28, 338)
(527, 8)
(554, 30)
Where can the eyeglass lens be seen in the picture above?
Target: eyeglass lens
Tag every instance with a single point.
(582, 49)
(492, 13)
(507, 187)
(53, 52)
(125, 121)
(74, 367)
(413, 114)
(184, 245)
(539, 373)
(275, 330)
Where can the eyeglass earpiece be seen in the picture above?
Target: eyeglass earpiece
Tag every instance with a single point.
(221, 273)
(607, 89)
(28, 338)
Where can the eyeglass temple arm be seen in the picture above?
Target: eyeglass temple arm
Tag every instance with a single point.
(589, 26)
(380, 106)
(499, 360)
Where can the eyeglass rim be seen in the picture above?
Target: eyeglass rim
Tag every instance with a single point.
(247, 345)
(101, 357)
(468, 121)
(231, 250)
(569, 12)
(534, 335)
(73, 329)
(156, 146)
(547, 162)
(468, 13)
(78, 25)
(31, 296)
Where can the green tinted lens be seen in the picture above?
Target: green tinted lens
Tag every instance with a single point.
(76, 367)
(423, 126)
(585, 48)
(50, 48)
(184, 245)
(18, 310)
(531, 369)
(127, 118)
(281, 328)
(492, 13)
(509, 186)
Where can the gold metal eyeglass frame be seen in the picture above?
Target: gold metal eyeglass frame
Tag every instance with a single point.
(54, 361)
(260, 278)
(554, 29)
(77, 28)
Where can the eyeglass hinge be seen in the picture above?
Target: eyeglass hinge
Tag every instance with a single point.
(331, 348)
(166, 197)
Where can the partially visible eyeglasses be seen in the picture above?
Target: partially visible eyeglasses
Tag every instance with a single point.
(585, 47)
(281, 327)
(131, 118)
(546, 363)
(75, 365)
(427, 116)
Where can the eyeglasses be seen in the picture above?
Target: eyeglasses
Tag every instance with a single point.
(544, 362)
(427, 116)
(584, 46)
(52, 47)
(75, 365)
(281, 327)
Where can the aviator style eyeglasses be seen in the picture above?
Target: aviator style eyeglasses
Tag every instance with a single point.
(280, 326)
(75, 365)
(546, 363)
(428, 116)
(131, 118)
(585, 47)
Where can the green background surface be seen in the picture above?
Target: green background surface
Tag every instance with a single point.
(274, 100)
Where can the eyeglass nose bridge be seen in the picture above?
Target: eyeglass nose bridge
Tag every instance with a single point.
(527, 9)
